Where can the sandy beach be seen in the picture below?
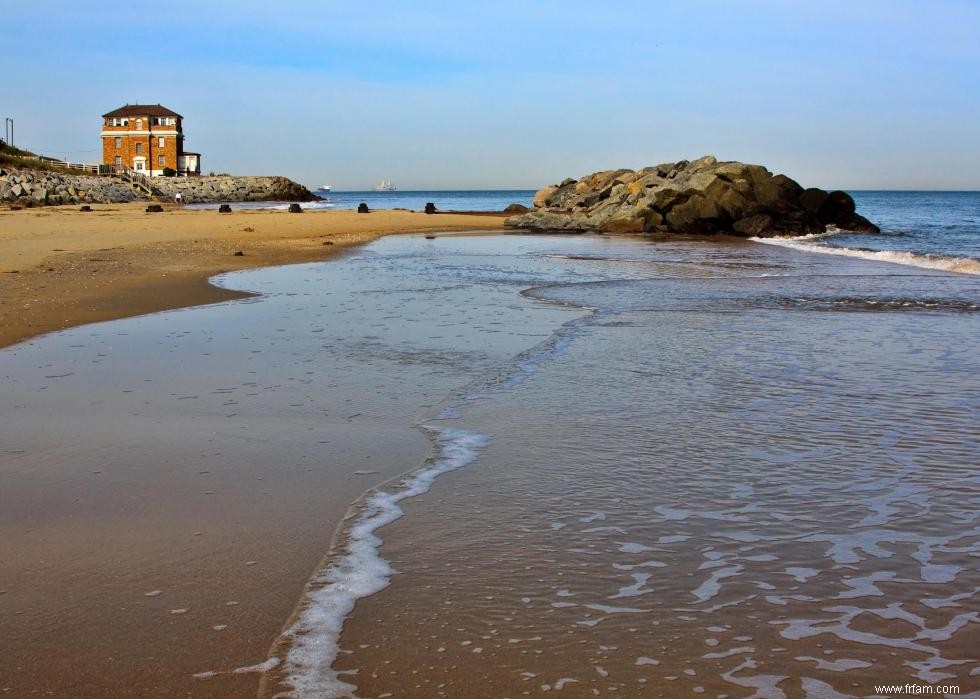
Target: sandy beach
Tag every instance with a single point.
(137, 559)
(60, 267)
(172, 482)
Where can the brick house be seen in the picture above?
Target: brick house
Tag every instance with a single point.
(147, 138)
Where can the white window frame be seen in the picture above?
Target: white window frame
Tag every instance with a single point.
(160, 142)
(117, 143)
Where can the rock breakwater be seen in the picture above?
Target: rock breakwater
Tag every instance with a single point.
(46, 188)
(224, 188)
(698, 197)
(42, 188)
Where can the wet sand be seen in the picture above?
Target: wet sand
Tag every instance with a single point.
(110, 528)
(171, 482)
(60, 267)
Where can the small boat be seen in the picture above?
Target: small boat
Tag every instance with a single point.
(385, 186)
(324, 188)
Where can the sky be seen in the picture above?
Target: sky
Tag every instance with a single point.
(856, 94)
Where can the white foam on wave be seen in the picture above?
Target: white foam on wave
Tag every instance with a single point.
(816, 689)
(765, 686)
(712, 586)
(961, 265)
(839, 665)
(928, 670)
(360, 571)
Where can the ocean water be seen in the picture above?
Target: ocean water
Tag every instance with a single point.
(445, 200)
(934, 230)
(734, 470)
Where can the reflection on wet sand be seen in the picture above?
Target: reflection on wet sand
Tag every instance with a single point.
(634, 469)
(697, 488)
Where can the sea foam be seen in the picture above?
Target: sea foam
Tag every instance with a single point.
(961, 265)
(359, 572)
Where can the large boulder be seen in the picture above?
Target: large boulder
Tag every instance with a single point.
(702, 196)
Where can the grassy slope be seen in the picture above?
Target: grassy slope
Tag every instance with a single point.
(15, 158)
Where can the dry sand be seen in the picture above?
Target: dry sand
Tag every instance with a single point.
(60, 267)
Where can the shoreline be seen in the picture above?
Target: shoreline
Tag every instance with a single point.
(62, 268)
(235, 558)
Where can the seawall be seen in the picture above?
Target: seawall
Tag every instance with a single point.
(27, 188)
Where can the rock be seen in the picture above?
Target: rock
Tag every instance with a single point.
(295, 209)
(362, 208)
(224, 209)
(239, 253)
(623, 225)
(86, 208)
(154, 209)
(698, 214)
(753, 226)
(541, 198)
(702, 196)
(430, 237)
(837, 205)
(430, 208)
(516, 209)
(856, 223)
(812, 199)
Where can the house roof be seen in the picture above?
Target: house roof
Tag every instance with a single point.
(135, 110)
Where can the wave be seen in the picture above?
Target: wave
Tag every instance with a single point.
(961, 265)
(309, 647)
(359, 572)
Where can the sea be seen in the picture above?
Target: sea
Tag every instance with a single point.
(658, 468)
(935, 230)
(444, 200)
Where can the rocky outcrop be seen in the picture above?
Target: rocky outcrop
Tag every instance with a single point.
(697, 197)
(41, 188)
(225, 188)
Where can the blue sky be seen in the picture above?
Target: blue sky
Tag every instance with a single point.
(858, 94)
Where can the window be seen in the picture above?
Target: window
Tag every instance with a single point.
(139, 149)
(160, 142)
(118, 161)
(118, 142)
(161, 160)
(139, 124)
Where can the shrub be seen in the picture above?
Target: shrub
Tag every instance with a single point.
(169, 172)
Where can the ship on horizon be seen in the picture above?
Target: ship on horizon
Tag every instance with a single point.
(385, 186)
